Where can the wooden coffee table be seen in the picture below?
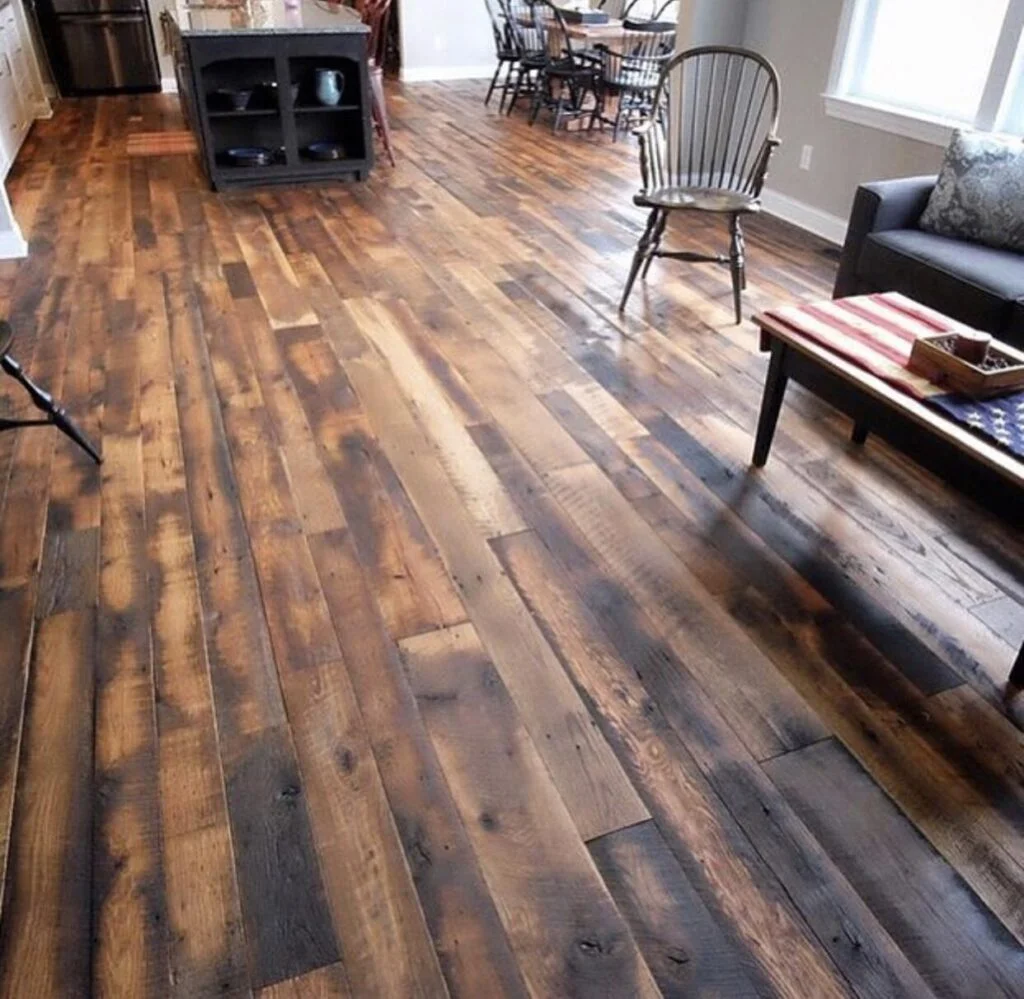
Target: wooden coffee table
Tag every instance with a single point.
(991, 474)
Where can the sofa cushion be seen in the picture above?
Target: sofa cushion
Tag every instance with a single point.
(979, 195)
(975, 284)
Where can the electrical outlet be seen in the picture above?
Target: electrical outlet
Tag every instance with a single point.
(805, 157)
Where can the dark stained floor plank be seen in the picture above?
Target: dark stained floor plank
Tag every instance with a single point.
(45, 934)
(470, 941)
(587, 774)
(564, 928)
(956, 943)
(324, 983)
(380, 926)
(771, 717)
(207, 947)
(15, 643)
(682, 944)
(129, 901)
(738, 842)
(288, 928)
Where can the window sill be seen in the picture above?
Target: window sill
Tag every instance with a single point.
(912, 125)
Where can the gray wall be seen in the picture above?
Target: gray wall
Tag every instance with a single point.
(717, 22)
(445, 39)
(799, 36)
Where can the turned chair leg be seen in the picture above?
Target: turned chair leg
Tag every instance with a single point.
(736, 265)
(494, 82)
(658, 235)
(642, 249)
(543, 83)
(380, 111)
(513, 71)
(516, 90)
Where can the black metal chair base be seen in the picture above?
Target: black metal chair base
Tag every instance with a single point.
(55, 415)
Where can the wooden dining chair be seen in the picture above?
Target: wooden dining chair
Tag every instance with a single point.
(375, 14)
(528, 27)
(706, 148)
(629, 74)
(504, 48)
(566, 76)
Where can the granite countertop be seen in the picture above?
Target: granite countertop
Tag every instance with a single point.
(266, 17)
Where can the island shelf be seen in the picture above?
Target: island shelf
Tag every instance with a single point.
(247, 78)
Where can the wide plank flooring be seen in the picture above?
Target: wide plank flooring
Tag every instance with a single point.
(425, 631)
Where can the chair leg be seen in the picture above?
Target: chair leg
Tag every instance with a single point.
(598, 111)
(638, 258)
(538, 96)
(618, 118)
(559, 105)
(380, 111)
(659, 233)
(743, 260)
(494, 82)
(513, 70)
(516, 90)
(736, 265)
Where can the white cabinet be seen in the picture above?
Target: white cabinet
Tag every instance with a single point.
(21, 93)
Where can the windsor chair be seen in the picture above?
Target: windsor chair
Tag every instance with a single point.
(504, 48)
(629, 74)
(565, 70)
(529, 31)
(706, 148)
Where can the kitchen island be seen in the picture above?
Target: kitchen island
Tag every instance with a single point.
(275, 92)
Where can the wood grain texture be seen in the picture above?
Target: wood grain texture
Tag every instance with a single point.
(563, 926)
(425, 631)
(900, 876)
(471, 944)
(45, 940)
(680, 940)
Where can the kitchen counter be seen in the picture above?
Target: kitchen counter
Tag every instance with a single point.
(285, 84)
(266, 17)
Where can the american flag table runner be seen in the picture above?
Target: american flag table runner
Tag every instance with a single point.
(877, 332)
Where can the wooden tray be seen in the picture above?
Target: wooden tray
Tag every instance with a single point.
(1002, 371)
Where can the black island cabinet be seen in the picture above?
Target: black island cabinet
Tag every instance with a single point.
(275, 91)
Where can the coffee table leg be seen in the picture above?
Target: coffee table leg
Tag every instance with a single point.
(1015, 690)
(771, 402)
(860, 433)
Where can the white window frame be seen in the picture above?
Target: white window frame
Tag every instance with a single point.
(996, 98)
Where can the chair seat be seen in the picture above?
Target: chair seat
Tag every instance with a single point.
(632, 80)
(701, 199)
(569, 68)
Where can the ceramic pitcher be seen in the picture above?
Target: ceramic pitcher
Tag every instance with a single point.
(329, 86)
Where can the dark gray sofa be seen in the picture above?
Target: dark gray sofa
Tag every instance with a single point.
(885, 251)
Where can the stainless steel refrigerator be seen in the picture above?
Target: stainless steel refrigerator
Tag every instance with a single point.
(100, 46)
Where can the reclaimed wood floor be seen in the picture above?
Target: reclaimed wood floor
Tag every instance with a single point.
(425, 631)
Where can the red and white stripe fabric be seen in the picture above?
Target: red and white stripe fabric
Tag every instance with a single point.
(876, 332)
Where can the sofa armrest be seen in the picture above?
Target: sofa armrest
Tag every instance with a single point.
(877, 207)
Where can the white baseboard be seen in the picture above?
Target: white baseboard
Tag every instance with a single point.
(12, 244)
(423, 74)
(168, 85)
(799, 213)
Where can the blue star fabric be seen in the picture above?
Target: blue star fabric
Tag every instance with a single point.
(999, 420)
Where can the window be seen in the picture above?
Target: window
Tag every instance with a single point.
(922, 68)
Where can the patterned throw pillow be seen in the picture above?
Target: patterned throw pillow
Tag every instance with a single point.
(979, 196)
